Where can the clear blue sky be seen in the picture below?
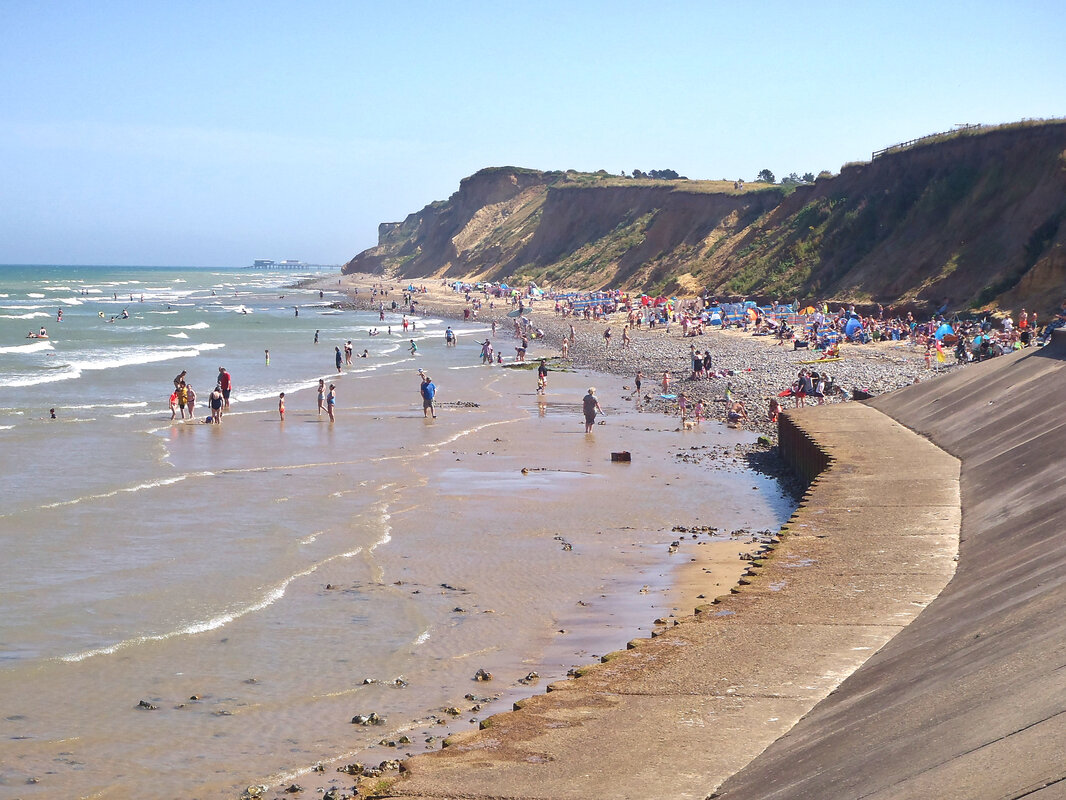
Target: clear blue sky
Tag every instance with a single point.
(212, 133)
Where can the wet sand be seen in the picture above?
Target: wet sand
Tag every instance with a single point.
(688, 559)
(280, 565)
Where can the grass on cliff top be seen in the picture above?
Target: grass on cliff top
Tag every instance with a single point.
(585, 180)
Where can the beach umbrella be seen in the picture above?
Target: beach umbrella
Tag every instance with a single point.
(942, 331)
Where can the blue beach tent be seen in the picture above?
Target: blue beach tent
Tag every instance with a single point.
(942, 331)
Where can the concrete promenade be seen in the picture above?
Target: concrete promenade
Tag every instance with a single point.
(873, 542)
(970, 700)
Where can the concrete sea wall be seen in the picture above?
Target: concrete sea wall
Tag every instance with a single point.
(675, 715)
(969, 701)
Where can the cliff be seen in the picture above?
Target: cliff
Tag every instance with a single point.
(973, 217)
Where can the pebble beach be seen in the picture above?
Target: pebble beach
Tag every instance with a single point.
(759, 367)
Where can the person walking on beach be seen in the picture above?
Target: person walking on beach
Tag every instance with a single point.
(225, 384)
(486, 352)
(321, 396)
(590, 406)
(339, 359)
(637, 380)
(542, 377)
(666, 383)
(316, 337)
(607, 338)
(281, 406)
(428, 391)
(331, 401)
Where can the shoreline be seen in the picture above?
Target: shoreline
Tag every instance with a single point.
(698, 565)
(758, 369)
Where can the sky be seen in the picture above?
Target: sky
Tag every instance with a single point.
(215, 133)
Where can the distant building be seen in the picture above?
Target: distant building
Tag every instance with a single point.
(263, 262)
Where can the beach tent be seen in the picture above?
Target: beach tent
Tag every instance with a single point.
(853, 328)
(942, 331)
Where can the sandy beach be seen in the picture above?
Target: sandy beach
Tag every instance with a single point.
(760, 369)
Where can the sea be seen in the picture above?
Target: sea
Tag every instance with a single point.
(187, 609)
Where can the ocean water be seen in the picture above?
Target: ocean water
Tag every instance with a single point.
(260, 582)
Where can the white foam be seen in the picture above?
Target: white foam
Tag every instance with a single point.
(181, 335)
(33, 347)
(111, 405)
(196, 326)
(214, 623)
(145, 356)
(129, 489)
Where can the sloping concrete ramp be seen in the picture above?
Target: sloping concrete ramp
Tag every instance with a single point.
(970, 700)
(673, 716)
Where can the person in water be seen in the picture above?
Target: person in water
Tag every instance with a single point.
(428, 390)
(590, 406)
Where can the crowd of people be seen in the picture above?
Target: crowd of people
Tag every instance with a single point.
(183, 398)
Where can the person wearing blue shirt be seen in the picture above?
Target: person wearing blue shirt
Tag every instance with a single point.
(428, 391)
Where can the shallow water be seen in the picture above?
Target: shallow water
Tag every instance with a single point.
(266, 568)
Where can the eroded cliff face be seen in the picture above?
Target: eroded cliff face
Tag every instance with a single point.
(977, 218)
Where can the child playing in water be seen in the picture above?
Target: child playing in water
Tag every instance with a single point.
(699, 411)
(281, 406)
